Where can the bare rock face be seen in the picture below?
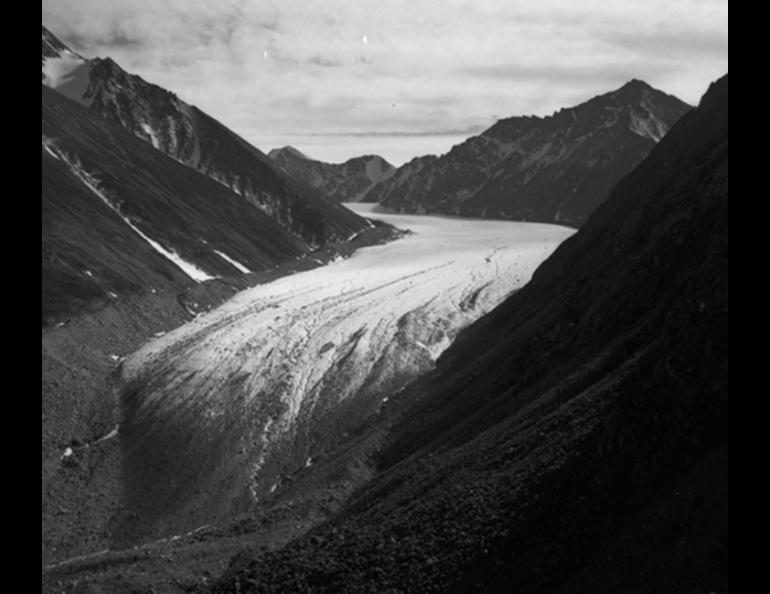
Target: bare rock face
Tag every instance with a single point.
(194, 138)
(556, 169)
(342, 182)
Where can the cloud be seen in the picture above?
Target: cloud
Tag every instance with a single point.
(324, 62)
(563, 74)
(467, 131)
(663, 42)
(274, 68)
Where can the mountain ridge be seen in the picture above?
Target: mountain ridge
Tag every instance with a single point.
(348, 181)
(191, 136)
(102, 165)
(553, 169)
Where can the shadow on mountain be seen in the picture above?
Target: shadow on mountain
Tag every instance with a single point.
(575, 439)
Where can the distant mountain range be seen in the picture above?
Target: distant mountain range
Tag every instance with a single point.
(556, 169)
(341, 182)
(575, 438)
(196, 139)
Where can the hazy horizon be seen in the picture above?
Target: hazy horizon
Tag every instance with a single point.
(395, 78)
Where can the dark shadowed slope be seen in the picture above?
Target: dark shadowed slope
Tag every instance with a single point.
(108, 197)
(575, 439)
(553, 169)
(342, 182)
(197, 140)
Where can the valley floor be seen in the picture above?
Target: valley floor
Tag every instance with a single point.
(221, 412)
(235, 406)
(80, 353)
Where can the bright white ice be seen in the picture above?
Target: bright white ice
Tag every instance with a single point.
(360, 327)
(151, 133)
(238, 265)
(190, 269)
(452, 269)
(69, 74)
(59, 70)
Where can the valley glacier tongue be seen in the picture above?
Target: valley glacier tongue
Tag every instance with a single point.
(218, 412)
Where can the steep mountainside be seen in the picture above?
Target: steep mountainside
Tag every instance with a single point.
(197, 140)
(251, 394)
(404, 181)
(553, 169)
(342, 182)
(575, 439)
(120, 217)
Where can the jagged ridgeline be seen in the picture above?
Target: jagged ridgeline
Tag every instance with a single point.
(342, 182)
(196, 139)
(555, 169)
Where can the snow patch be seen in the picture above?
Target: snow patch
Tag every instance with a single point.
(238, 265)
(92, 184)
(48, 144)
(60, 70)
(110, 435)
(69, 74)
(647, 127)
(151, 133)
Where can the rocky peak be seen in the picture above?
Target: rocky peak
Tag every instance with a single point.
(635, 86)
(550, 169)
(287, 151)
(194, 138)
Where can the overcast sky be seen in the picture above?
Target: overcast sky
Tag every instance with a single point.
(401, 78)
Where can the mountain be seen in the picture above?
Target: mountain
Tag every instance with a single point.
(342, 182)
(575, 438)
(196, 139)
(404, 181)
(554, 169)
(120, 217)
(287, 152)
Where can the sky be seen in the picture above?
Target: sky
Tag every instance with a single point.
(399, 78)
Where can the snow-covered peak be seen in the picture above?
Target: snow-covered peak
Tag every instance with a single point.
(53, 47)
(64, 70)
